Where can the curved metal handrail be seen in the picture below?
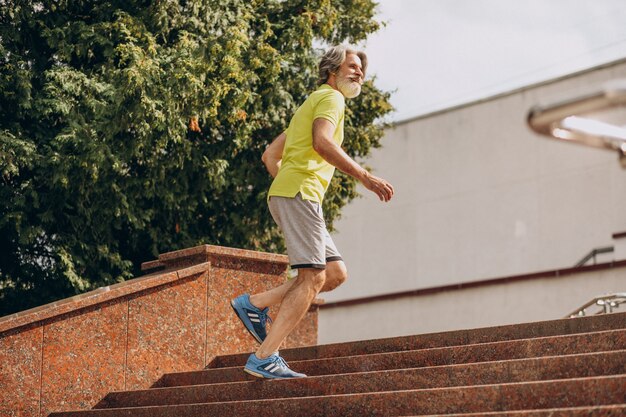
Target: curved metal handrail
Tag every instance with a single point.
(565, 120)
(608, 303)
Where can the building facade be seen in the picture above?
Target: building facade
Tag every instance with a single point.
(478, 196)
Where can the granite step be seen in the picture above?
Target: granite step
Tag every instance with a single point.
(519, 370)
(444, 339)
(577, 392)
(594, 411)
(609, 340)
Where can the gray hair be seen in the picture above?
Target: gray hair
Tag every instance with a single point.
(334, 57)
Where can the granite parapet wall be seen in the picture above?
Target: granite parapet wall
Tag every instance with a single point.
(71, 353)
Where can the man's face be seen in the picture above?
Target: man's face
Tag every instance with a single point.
(350, 76)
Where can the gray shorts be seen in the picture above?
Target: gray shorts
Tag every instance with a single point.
(309, 244)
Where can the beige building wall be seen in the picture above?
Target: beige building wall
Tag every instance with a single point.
(495, 305)
(478, 196)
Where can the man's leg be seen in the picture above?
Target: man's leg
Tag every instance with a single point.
(302, 224)
(336, 274)
(271, 297)
(294, 306)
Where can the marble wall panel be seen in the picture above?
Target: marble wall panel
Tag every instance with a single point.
(83, 357)
(20, 372)
(166, 331)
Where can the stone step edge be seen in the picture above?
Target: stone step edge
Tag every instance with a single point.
(444, 368)
(534, 412)
(465, 387)
(215, 362)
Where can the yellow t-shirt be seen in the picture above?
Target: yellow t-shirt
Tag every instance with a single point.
(302, 169)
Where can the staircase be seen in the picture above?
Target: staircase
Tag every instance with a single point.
(568, 367)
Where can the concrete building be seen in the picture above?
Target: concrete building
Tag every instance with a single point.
(482, 203)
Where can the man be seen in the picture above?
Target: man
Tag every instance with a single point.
(302, 161)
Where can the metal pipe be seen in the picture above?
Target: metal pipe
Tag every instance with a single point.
(566, 119)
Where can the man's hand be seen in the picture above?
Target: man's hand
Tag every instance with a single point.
(378, 186)
(323, 144)
(272, 157)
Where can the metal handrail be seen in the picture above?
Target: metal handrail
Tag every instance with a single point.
(562, 120)
(593, 255)
(607, 301)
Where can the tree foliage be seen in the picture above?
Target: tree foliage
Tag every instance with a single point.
(99, 168)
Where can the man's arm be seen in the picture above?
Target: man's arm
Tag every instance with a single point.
(274, 154)
(324, 145)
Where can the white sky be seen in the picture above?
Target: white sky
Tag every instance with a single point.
(439, 53)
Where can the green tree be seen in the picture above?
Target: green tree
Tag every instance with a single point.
(100, 169)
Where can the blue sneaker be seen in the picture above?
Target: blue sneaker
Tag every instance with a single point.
(272, 367)
(253, 318)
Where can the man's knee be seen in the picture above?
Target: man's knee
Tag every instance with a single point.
(313, 277)
(318, 280)
(336, 274)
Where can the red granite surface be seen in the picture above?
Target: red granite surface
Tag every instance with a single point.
(166, 330)
(69, 354)
(576, 392)
(520, 331)
(578, 371)
(206, 253)
(597, 411)
(487, 352)
(234, 276)
(20, 372)
(83, 357)
(533, 369)
(96, 297)
(225, 252)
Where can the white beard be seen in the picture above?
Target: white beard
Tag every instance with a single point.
(349, 88)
